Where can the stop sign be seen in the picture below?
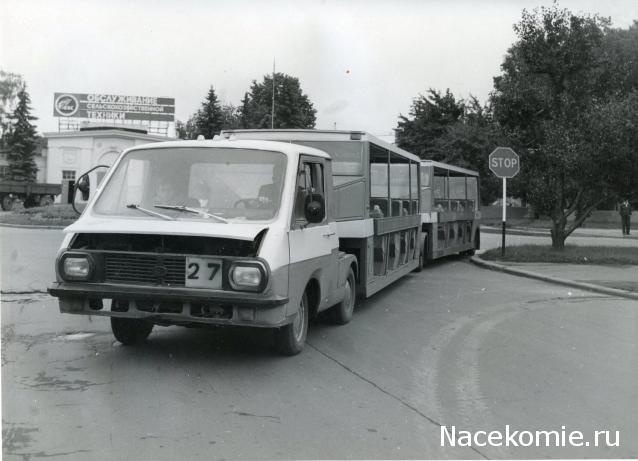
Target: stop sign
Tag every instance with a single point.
(504, 162)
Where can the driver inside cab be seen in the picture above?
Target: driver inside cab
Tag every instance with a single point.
(269, 193)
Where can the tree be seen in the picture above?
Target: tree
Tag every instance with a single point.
(544, 101)
(243, 116)
(469, 141)
(618, 57)
(445, 129)
(10, 84)
(231, 117)
(293, 108)
(208, 120)
(186, 130)
(430, 117)
(22, 141)
(180, 130)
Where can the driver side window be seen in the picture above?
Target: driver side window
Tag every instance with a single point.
(309, 181)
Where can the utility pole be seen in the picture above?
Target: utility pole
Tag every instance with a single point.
(272, 112)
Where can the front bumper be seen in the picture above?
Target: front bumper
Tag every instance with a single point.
(172, 305)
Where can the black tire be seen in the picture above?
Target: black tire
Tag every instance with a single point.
(420, 266)
(424, 253)
(130, 331)
(290, 339)
(7, 203)
(30, 201)
(477, 244)
(342, 312)
(46, 200)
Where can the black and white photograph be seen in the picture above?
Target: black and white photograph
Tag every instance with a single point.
(317, 230)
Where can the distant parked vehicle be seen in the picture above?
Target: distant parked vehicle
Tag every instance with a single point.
(31, 194)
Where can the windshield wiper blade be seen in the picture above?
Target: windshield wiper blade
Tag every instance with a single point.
(149, 212)
(187, 209)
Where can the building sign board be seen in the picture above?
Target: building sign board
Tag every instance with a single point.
(113, 107)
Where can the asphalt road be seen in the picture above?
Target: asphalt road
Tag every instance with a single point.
(452, 345)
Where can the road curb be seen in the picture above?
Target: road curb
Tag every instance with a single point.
(530, 232)
(545, 278)
(30, 226)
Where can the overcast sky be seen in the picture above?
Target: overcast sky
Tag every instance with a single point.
(360, 62)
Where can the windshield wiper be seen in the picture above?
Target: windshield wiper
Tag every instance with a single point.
(187, 209)
(149, 212)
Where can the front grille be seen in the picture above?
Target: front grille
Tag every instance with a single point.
(144, 269)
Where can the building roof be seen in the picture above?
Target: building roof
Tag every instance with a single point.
(105, 133)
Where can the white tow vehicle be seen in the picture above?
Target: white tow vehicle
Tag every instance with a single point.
(209, 232)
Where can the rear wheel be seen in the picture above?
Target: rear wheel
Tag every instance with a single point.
(46, 200)
(477, 244)
(30, 201)
(290, 339)
(130, 331)
(342, 312)
(7, 203)
(425, 254)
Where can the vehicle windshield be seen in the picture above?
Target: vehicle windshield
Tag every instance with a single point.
(236, 184)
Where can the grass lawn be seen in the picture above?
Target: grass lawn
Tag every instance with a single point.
(53, 215)
(572, 254)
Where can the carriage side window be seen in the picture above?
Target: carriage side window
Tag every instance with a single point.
(379, 187)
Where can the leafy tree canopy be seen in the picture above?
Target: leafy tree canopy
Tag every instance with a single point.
(430, 117)
(450, 130)
(293, 108)
(548, 99)
(10, 84)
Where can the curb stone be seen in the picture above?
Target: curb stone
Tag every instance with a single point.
(545, 278)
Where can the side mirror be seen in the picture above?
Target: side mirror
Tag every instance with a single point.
(84, 185)
(315, 208)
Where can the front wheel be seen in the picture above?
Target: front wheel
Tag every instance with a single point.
(130, 331)
(342, 312)
(290, 339)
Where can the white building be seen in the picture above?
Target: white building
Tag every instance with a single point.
(71, 153)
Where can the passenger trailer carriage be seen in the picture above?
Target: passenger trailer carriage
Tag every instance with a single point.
(376, 199)
(450, 214)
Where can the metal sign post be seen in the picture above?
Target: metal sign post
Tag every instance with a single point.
(504, 215)
(504, 163)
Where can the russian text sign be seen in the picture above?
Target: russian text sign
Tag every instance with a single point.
(113, 107)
